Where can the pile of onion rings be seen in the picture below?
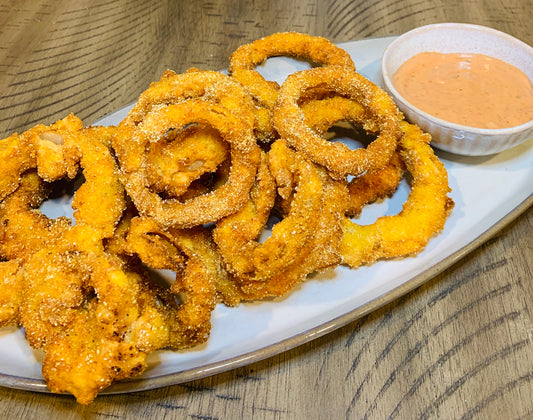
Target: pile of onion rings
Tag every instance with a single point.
(203, 167)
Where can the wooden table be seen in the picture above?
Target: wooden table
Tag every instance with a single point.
(460, 346)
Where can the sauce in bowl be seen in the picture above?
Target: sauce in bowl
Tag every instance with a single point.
(475, 90)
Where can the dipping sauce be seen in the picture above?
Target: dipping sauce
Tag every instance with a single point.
(468, 89)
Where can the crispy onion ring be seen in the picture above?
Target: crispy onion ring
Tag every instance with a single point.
(211, 86)
(321, 115)
(173, 88)
(321, 252)
(322, 112)
(89, 314)
(288, 119)
(172, 249)
(40, 146)
(317, 49)
(305, 240)
(173, 165)
(84, 149)
(423, 214)
(244, 60)
(198, 283)
(247, 57)
(236, 235)
(191, 254)
(244, 154)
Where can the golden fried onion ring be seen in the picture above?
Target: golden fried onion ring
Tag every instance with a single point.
(321, 115)
(236, 234)
(173, 165)
(423, 214)
(211, 86)
(89, 314)
(247, 57)
(306, 239)
(244, 154)
(190, 253)
(98, 203)
(288, 119)
(40, 146)
(244, 60)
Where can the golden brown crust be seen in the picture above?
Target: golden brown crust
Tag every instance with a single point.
(423, 214)
(244, 60)
(244, 154)
(323, 113)
(288, 119)
(305, 240)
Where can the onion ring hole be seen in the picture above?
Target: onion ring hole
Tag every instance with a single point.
(59, 201)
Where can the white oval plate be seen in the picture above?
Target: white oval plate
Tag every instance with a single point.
(488, 191)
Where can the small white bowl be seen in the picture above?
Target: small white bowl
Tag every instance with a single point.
(465, 38)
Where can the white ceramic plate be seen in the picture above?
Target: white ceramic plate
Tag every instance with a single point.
(488, 192)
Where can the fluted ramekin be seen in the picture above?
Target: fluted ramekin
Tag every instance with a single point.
(459, 38)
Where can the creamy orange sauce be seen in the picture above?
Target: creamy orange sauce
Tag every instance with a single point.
(469, 89)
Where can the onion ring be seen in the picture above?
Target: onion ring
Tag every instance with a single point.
(101, 190)
(321, 115)
(173, 165)
(321, 249)
(236, 234)
(288, 120)
(305, 240)
(244, 60)
(321, 252)
(202, 209)
(190, 253)
(40, 146)
(98, 203)
(247, 57)
(164, 174)
(423, 214)
(173, 88)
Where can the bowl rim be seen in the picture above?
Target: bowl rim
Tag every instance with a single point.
(387, 80)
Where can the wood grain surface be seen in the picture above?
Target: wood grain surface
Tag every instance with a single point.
(459, 347)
